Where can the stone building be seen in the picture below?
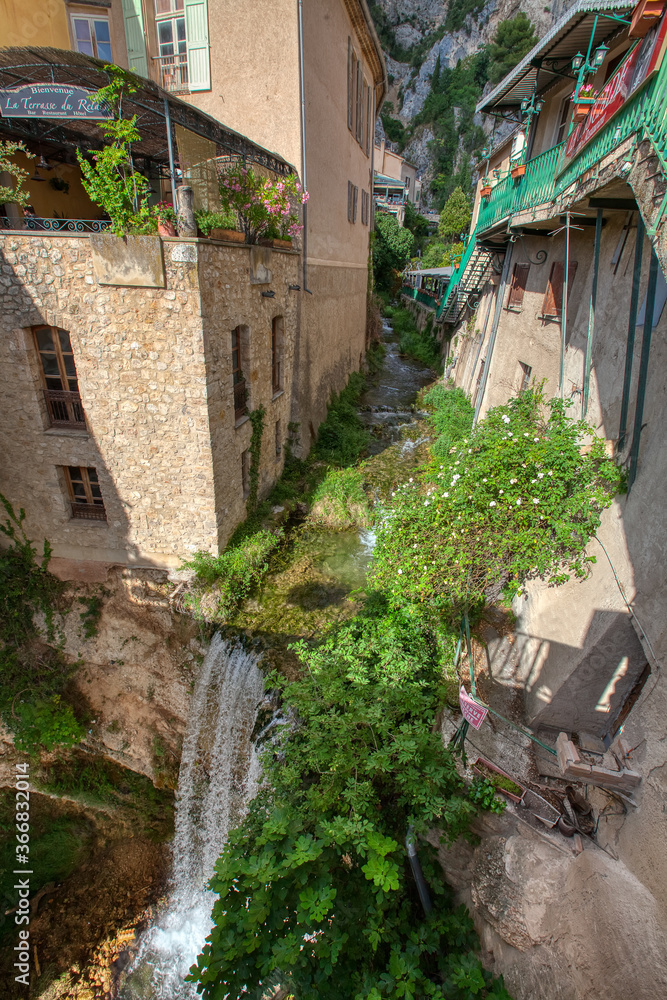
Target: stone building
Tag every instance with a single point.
(562, 283)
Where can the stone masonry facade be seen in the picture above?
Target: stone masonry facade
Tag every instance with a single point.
(154, 370)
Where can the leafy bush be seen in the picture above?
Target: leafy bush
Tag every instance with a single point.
(339, 502)
(13, 195)
(207, 220)
(45, 722)
(451, 417)
(342, 437)
(455, 216)
(228, 578)
(515, 501)
(315, 889)
(421, 345)
(392, 248)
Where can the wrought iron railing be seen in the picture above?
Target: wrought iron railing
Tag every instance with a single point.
(509, 196)
(457, 275)
(35, 225)
(173, 73)
(65, 409)
(90, 511)
(240, 399)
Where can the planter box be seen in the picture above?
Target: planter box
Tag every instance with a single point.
(518, 171)
(278, 244)
(645, 15)
(486, 192)
(481, 765)
(230, 235)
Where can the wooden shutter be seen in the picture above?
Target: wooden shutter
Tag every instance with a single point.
(369, 119)
(349, 201)
(134, 37)
(360, 107)
(518, 286)
(350, 84)
(196, 33)
(354, 203)
(553, 299)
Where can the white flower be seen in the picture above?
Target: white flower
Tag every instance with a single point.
(400, 572)
(506, 419)
(540, 475)
(535, 500)
(512, 481)
(492, 504)
(509, 434)
(411, 480)
(526, 434)
(533, 480)
(519, 500)
(444, 495)
(484, 480)
(502, 491)
(536, 440)
(551, 473)
(456, 463)
(441, 466)
(414, 546)
(426, 503)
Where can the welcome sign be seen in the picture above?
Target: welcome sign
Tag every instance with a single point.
(51, 100)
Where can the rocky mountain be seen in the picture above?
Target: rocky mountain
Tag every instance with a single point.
(438, 64)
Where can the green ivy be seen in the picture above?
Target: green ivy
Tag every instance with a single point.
(257, 421)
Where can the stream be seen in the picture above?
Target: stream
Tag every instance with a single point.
(220, 769)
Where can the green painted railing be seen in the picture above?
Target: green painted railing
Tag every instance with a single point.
(457, 275)
(420, 295)
(509, 196)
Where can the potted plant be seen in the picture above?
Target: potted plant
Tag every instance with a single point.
(486, 188)
(582, 101)
(218, 225)
(266, 209)
(166, 218)
(518, 170)
(500, 780)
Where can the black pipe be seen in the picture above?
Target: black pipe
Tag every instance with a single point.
(422, 887)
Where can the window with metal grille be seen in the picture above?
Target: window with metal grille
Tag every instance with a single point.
(91, 36)
(84, 493)
(238, 378)
(245, 473)
(277, 350)
(553, 298)
(61, 389)
(518, 286)
(525, 371)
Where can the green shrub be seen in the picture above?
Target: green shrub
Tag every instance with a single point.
(339, 502)
(451, 418)
(342, 437)
(45, 722)
(207, 220)
(419, 344)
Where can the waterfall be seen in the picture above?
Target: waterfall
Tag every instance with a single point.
(220, 773)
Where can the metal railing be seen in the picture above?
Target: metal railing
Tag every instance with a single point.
(536, 187)
(90, 511)
(457, 275)
(240, 399)
(32, 225)
(173, 72)
(65, 409)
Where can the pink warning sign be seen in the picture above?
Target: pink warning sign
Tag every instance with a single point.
(472, 712)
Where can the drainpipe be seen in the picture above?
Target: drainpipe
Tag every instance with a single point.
(417, 872)
(632, 323)
(302, 86)
(563, 306)
(494, 329)
(591, 315)
(643, 368)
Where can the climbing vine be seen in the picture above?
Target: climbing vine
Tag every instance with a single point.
(257, 421)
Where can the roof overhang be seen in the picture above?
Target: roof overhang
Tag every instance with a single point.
(550, 59)
(22, 66)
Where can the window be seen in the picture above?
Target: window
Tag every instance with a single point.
(553, 298)
(279, 440)
(61, 389)
(562, 120)
(172, 45)
(91, 36)
(238, 378)
(525, 371)
(350, 200)
(245, 473)
(359, 100)
(351, 84)
(518, 286)
(277, 348)
(84, 493)
(365, 208)
(355, 197)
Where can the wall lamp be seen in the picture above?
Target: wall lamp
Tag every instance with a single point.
(269, 295)
(295, 288)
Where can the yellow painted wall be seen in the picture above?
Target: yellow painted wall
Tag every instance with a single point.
(34, 22)
(74, 205)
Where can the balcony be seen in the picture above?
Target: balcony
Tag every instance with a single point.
(65, 409)
(172, 72)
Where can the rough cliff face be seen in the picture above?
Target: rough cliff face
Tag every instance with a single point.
(413, 24)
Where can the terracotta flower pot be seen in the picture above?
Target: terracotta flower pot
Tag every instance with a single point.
(518, 171)
(165, 227)
(580, 112)
(230, 235)
(486, 191)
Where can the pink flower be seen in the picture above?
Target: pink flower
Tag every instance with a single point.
(304, 197)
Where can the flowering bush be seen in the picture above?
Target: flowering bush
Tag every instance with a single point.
(165, 211)
(265, 208)
(518, 499)
(15, 195)
(587, 92)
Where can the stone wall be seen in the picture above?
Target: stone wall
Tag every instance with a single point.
(154, 373)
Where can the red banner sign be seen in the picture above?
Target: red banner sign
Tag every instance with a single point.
(471, 711)
(644, 59)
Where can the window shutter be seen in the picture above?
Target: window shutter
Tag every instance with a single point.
(354, 203)
(360, 91)
(350, 85)
(518, 286)
(134, 36)
(364, 115)
(349, 201)
(369, 119)
(196, 33)
(553, 299)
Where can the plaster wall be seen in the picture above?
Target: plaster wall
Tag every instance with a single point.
(34, 22)
(158, 401)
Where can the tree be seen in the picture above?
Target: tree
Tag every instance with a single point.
(455, 216)
(514, 38)
(392, 249)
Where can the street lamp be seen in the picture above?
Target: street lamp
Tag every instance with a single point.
(578, 61)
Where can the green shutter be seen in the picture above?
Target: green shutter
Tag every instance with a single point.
(196, 33)
(134, 36)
